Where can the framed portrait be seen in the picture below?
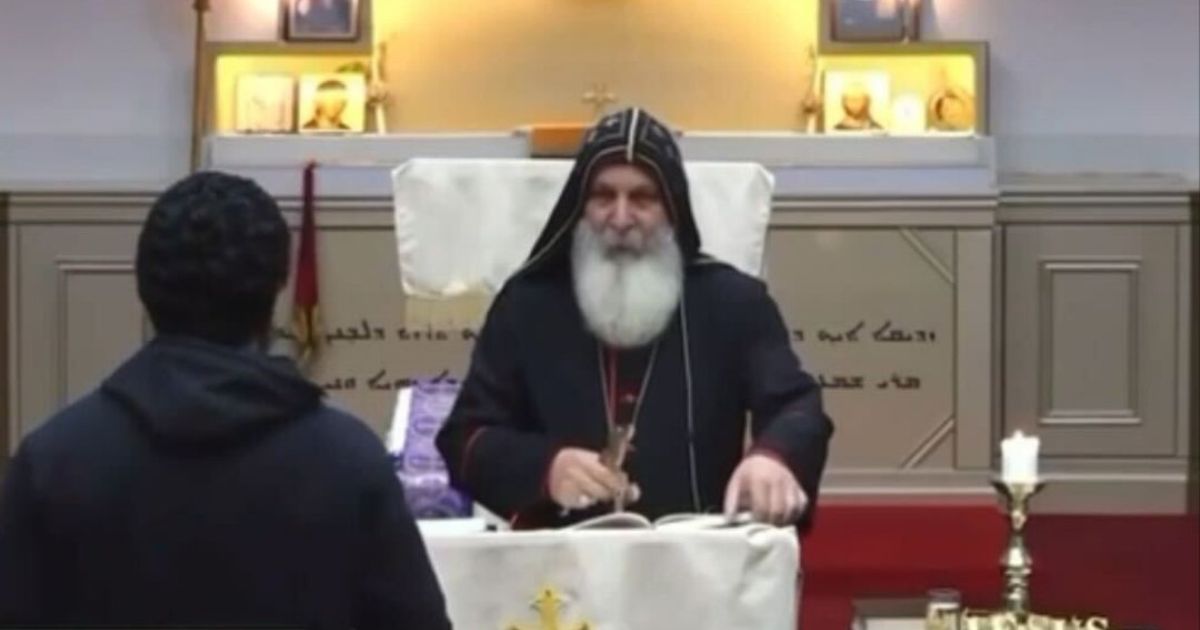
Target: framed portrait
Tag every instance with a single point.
(874, 20)
(266, 103)
(856, 102)
(322, 20)
(332, 103)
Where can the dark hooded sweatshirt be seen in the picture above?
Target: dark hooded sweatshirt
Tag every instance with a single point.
(207, 486)
(538, 380)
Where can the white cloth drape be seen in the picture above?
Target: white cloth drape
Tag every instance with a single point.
(465, 225)
(742, 578)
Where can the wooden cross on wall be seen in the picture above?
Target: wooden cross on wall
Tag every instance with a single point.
(599, 97)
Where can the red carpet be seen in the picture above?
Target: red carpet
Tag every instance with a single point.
(1139, 571)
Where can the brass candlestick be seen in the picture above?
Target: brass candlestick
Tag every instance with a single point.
(199, 81)
(1017, 563)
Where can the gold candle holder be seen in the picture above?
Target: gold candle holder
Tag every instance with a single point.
(1017, 563)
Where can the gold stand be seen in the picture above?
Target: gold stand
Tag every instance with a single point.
(1018, 565)
(199, 111)
(1016, 560)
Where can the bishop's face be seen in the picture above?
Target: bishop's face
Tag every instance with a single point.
(625, 208)
(628, 270)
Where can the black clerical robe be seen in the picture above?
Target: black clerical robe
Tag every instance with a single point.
(536, 386)
(537, 380)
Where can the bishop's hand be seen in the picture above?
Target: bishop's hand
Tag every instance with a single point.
(579, 480)
(765, 487)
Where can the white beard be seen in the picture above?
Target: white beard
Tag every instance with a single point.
(627, 299)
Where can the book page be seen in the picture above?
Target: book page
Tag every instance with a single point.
(615, 520)
(670, 522)
(702, 521)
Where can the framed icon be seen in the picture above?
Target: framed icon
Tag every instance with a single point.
(332, 103)
(265, 103)
(856, 101)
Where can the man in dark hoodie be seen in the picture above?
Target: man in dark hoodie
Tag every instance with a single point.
(205, 483)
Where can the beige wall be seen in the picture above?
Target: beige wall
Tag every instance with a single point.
(702, 65)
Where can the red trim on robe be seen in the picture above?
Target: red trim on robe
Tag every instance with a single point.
(537, 513)
(769, 451)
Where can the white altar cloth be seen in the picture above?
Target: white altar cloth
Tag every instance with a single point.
(736, 578)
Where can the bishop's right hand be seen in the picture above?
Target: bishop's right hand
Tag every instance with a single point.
(579, 481)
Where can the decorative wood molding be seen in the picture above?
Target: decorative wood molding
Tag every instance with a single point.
(1187, 326)
(929, 443)
(894, 203)
(922, 249)
(977, 346)
(1096, 199)
(1096, 491)
(1020, 187)
(65, 268)
(1047, 413)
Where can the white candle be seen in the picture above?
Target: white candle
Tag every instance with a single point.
(1019, 455)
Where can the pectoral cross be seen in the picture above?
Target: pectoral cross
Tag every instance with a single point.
(599, 97)
(549, 609)
(613, 458)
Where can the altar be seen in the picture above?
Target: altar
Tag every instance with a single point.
(741, 578)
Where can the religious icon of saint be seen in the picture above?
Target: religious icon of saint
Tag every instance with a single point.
(856, 101)
(328, 107)
(332, 103)
(856, 107)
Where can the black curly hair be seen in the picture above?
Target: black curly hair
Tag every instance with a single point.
(211, 259)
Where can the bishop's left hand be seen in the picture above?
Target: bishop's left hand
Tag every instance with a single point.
(767, 489)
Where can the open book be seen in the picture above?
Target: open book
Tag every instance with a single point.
(633, 520)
